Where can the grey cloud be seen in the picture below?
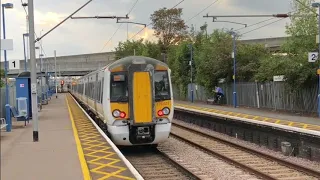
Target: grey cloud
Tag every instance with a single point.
(89, 36)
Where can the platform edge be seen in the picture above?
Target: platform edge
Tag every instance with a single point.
(115, 148)
(84, 166)
(284, 127)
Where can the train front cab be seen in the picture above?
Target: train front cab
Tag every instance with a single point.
(140, 117)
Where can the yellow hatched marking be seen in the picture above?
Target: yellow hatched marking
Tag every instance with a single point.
(84, 167)
(277, 121)
(256, 117)
(230, 113)
(97, 153)
(290, 124)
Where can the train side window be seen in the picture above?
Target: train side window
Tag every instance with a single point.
(102, 89)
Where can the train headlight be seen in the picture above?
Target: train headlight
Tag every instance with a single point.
(116, 113)
(166, 111)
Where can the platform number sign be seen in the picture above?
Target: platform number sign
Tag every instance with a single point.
(14, 64)
(312, 56)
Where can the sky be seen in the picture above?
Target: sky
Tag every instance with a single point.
(84, 36)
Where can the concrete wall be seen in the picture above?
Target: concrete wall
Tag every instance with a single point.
(73, 63)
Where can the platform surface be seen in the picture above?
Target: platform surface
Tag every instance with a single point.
(53, 157)
(309, 123)
(57, 155)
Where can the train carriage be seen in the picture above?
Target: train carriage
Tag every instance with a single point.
(132, 98)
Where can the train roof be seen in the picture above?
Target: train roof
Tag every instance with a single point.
(127, 61)
(136, 60)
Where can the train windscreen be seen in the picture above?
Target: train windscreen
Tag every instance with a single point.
(161, 86)
(119, 88)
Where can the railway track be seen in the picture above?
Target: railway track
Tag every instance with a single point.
(156, 165)
(260, 164)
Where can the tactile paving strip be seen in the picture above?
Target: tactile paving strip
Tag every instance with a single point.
(102, 160)
(253, 117)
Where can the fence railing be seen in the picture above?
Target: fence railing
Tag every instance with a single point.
(273, 95)
(12, 99)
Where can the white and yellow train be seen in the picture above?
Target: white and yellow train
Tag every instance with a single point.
(131, 99)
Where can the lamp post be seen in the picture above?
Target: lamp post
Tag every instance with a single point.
(24, 50)
(8, 113)
(234, 69)
(317, 5)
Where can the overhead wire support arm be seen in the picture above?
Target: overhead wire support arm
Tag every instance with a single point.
(214, 20)
(101, 17)
(129, 22)
(284, 15)
(38, 39)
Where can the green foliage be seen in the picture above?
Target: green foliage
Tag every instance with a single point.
(1, 76)
(302, 39)
(139, 47)
(128, 48)
(213, 59)
(168, 25)
(271, 66)
(178, 61)
(302, 30)
(212, 52)
(248, 60)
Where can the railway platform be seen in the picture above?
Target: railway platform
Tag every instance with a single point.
(70, 147)
(276, 119)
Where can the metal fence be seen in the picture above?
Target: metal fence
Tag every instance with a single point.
(12, 99)
(273, 95)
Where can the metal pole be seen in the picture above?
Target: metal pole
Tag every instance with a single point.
(8, 113)
(191, 59)
(24, 52)
(27, 39)
(319, 65)
(234, 70)
(33, 71)
(55, 73)
(40, 56)
(40, 77)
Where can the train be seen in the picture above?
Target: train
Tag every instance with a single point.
(131, 98)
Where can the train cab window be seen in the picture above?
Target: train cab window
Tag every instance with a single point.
(119, 87)
(161, 86)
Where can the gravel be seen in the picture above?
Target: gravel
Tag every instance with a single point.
(304, 162)
(201, 163)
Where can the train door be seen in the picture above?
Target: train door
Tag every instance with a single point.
(141, 97)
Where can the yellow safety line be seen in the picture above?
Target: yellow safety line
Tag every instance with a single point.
(84, 166)
(277, 122)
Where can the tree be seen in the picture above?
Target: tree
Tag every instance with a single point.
(178, 61)
(213, 59)
(168, 25)
(302, 39)
(1, 76)
(129, 48)
(139, 48)
(302, 30)
(248, 60)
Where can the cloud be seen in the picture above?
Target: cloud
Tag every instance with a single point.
(90, 35)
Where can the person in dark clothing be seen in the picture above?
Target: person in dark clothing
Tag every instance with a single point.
(219, 92)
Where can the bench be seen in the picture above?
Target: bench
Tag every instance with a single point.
(3, 123)
(16, 114)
